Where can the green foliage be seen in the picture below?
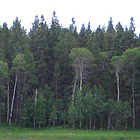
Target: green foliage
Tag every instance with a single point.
(131, 55)
(53, 60)
(40, 111)
(117, 62)
(27, 113)
(81, 55)
(19, 63)
(3, 69)
(53, 115)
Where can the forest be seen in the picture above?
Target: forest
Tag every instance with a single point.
(55, 76)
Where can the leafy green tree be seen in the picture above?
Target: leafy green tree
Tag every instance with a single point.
(89, 107)
(72, 114)
(27, 114)
(117, 62)
(1, 55)
(42, 60)
(131, 56)
(40, 111)
(3, 71)
(118, 110)
(127, 113)
(79, 107)
(53, 116)
(109, 109)
(81, 60)
(99, 103)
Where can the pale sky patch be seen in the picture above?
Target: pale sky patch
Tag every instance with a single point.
(98, 12)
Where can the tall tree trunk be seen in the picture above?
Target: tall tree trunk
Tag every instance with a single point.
(39, 126)
(109, 118)
(101, 123)
(13, 98)
(117, 122)
(118, 85)
(133, 95)
(94, 127)
(73, 124)
(126, 124)
(80, 119)
(16, 118)
(87, 123)
(35, 108)
(53, 123)
(64, 122)
(59, 121)
(81, 80)
(7, 101)
(20, 106)
(90, 120)
(74, 87)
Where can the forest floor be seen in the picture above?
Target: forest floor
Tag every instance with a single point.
(16, 133)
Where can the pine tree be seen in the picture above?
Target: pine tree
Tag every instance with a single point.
(62, 65)
(39, 47)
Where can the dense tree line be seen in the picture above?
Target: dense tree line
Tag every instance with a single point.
(54, 76)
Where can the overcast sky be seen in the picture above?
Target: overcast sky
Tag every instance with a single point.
(98, 12)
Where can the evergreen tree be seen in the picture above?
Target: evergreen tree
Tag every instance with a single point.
(40, 111)
(5, 46)
(119, 41)
(39, 46)
(109, 38)
(62, 69)
(3, 78)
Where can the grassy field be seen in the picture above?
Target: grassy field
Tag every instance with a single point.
(15, 133)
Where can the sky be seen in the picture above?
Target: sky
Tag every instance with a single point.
(98, 12)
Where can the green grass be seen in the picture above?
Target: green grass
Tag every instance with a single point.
(13, 133)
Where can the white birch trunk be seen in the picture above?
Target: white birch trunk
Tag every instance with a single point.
(81, 80)
(118, 85)
(74, 88)
(13, 98)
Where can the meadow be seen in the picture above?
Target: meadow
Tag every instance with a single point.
(16, 133)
